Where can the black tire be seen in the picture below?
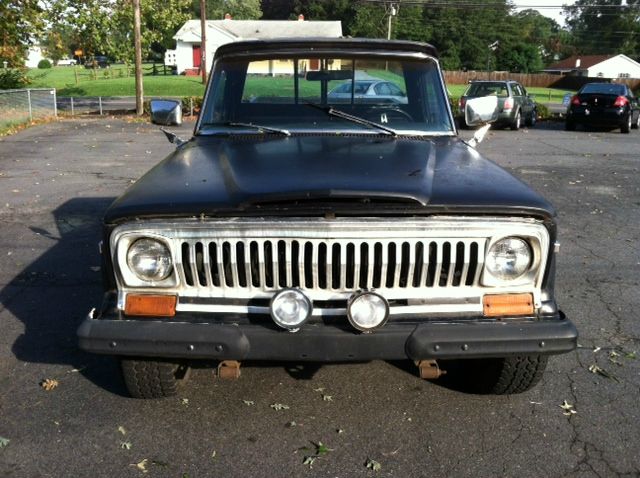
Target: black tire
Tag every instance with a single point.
(570, 126)
(625, 128)
(499, 376)
(636, 125)
(515, 124)
(148, 378)
(532, 119)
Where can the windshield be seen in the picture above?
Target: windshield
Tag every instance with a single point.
(406, 96)
(497, 88)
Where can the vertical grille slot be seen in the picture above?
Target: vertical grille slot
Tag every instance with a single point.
(282, 264)
(364, 264)
(186, 261)
(268, 264)
(336, 268)
(391, 263)
(322, 266)
(213, 264)
(254, 264)
(444, 264)
(350, 266)
(405, 259)
(294, 268)
(377, 267)
(199, 259)
(461, 258)
(419, 269)
(242, 264)
(308, 265)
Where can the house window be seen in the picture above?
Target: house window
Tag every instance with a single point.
(600, 75)
(624, 75)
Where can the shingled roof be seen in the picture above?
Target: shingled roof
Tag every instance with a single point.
(262, 29)
(586, 61)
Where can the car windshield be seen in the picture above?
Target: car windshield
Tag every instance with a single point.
(603, 89)
(487, 89)
(406, 96)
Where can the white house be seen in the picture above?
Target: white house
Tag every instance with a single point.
(187, 55)
(34, 56)
(597, 66)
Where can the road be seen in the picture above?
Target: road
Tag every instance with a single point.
(56, 179)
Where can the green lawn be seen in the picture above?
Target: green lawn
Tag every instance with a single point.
(112, 82)
(116, 81)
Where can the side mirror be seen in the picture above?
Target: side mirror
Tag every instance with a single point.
(478, 111)
(166, 112)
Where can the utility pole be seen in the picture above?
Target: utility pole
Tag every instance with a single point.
(393, 11)
(138, 66)
(203, 40)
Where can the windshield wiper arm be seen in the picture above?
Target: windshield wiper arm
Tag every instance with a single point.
(266, 129)
(331, 111)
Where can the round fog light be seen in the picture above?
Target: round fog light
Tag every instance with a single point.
(290, 308)
(367, 311)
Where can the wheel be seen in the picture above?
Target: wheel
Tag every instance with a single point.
(626, 126)
(498, 376)
(570, 126)
(515, 125)
(533, 117)
(636, 125)
(149, 378)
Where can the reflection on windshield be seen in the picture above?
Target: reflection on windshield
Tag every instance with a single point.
(403, 96)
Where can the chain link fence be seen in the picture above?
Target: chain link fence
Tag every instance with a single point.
(20, 106)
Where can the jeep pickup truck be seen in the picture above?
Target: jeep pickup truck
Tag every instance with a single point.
(298, 225)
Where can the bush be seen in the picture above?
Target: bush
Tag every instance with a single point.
(12, 78)
(543, 111)
(186, 104)
(43, 64)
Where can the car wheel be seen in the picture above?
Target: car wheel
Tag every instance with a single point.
(570, 126)
(498, 376)
(149, 378)
(515, 126)
(531, 120)
(626, 126)
(636, 125)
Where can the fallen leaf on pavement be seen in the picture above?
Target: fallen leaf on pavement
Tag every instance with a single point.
(602, 372)
(279, 406)
(142, 465)
(568, 409)
(373, 465)
(249, 402)
(4, 442)
(49, 384)
(122, 430)
(327, 398)
(126, 445)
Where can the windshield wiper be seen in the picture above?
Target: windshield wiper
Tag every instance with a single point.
(264, 129)
(331, 111)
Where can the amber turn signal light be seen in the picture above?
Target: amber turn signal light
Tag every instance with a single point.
(151, 305)
(507, 304)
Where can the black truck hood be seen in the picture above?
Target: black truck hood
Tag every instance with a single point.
(307, 174)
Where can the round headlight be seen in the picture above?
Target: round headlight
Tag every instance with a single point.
(149, 260)
(508, 258)
(290, 308)
(367, 311)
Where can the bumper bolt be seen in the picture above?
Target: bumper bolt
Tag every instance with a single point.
(219, 348)
(436, 347)
(542, 344)
(190, 348)
(113, 345)
(465, 347)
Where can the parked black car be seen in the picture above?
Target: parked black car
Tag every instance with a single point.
(515, 106)
(98, 61)
(291, 228)
(606, 105)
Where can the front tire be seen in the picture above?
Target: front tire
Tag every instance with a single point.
(500, 376)
(532, 119)
(636, 125)
(148, 378)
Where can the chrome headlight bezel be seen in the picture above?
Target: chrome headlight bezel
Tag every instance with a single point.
(530, 275)
(124, 243)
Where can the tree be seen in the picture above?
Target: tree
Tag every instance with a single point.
(20, 25)
(605, 26)
(238, 9)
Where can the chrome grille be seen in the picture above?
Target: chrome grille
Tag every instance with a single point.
(330, 265)
(431, 265)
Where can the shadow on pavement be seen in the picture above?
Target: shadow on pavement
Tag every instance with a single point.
(53, 294)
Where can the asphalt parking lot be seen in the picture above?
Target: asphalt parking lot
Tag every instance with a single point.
(56, 180)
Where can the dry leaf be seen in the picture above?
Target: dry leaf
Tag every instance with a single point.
(327, 398)
(126, 445)
(49, 384)
(373, 465)
(122, 430)
(279, 406)
(142, 465)
(249, 403)
(4, 442)
(568, 408)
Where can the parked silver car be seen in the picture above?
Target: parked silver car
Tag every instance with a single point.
(515, 106)
(369, 89)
